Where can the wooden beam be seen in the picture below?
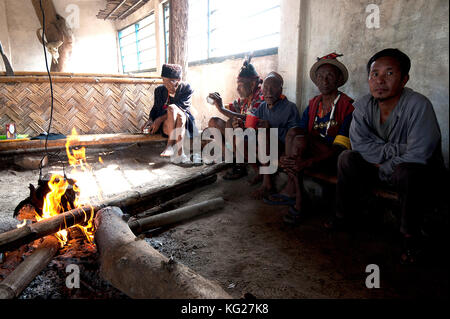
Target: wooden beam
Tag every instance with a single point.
(95, 75)
(129, 9)
(115, 9)
(65, 79)
(12, 146)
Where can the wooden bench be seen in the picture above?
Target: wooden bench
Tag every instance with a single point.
(332, 179)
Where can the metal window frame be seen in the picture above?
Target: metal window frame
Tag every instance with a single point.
(166, 31)
(136, 31)
(209, 59)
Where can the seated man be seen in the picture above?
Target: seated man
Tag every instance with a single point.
(170, 112)
(250, 97)
(396, 139)
(320, 137)
(275, 112)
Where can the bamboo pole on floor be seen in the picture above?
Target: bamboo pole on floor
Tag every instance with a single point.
(21, 277)
(143, 224)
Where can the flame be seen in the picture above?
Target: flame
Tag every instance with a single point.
(100, 159)
(58, 186)
(52, 203)
(23, 223)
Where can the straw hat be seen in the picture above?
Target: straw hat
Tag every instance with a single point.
(329, 59)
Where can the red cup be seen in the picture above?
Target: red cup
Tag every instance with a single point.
(251, 121)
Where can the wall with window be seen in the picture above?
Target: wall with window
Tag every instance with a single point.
(141, 39)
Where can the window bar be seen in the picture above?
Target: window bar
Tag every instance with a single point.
(209, 31)
(121, 54)
(165, 10)
(136, 26)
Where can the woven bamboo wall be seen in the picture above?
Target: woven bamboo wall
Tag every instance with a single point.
(92, 108)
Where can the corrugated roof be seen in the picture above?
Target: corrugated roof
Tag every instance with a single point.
(120, 9)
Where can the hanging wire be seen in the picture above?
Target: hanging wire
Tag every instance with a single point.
(56, 154)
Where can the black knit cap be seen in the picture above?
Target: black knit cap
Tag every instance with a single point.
(171, 71)
(248, 70)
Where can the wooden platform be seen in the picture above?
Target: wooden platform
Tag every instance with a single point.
(27, 145)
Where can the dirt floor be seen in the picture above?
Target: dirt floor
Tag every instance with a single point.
(245, 246)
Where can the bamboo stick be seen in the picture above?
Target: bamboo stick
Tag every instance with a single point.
(62, 79)
(141, 225)
(21, 277)
(140, 271)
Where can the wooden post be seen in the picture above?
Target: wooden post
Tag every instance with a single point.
(55, 30)
(20, 278)
(178, 34)
(139, 270)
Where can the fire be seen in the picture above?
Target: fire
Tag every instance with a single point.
(58, 186)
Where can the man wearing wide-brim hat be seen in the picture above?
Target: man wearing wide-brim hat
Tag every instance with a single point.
(322, 134)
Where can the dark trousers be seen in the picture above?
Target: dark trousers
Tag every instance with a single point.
(357, 177)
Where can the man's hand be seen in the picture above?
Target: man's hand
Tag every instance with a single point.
(237, 122)
(263, 124)
(217, 100)
(155, 126)
(147, 124)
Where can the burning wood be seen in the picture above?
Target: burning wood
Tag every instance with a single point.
(28, 233)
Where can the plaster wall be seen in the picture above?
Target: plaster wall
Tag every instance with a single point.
(95, 44)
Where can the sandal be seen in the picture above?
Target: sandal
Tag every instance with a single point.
(294, 216)
(279, 199)
(236, 172)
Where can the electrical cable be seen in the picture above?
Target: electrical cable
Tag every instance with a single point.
(56, 154)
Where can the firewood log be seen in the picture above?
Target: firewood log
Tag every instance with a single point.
(21, 277)
(138, 270)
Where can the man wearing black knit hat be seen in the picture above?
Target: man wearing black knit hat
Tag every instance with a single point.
(170, 111)
(250, 97)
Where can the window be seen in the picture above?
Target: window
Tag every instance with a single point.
(137, 44)
(220, 28)
(166, 15)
